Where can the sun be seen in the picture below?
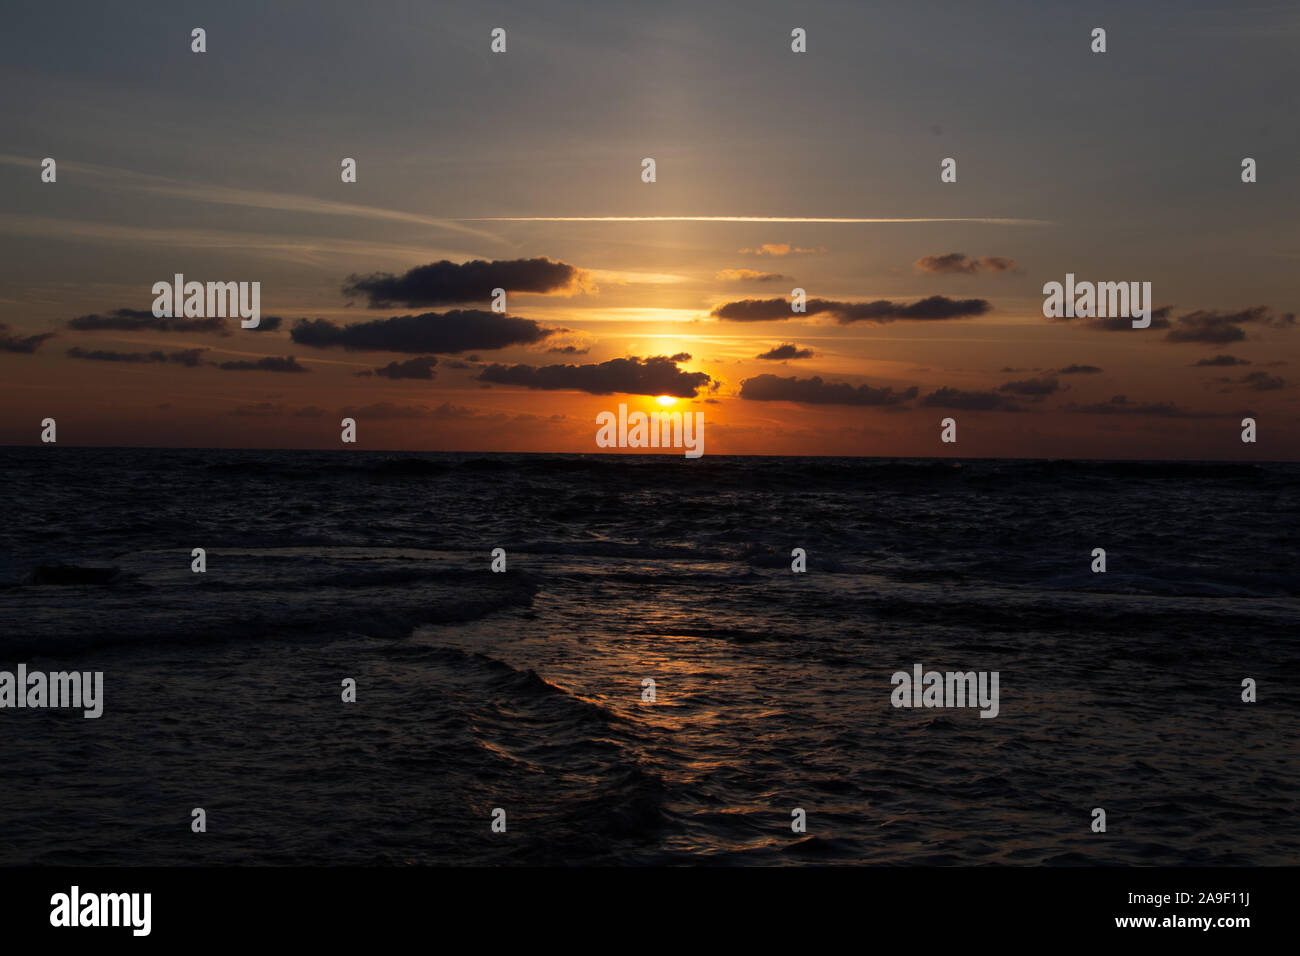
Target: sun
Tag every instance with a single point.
(666, 400)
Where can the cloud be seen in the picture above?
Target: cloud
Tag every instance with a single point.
(1220, 361)
(1032, 387)
(140, 320)
(449, 412)
(633, 376)
(269, 364)
(187, 357)
(779, 249)
(958, 263)
(970, 401)
(787, 350)
(447, 283)
(1120, 323)
(1078, 370)
(391, 411)
(459, 330)
(568, 350)
(814, 391)
(996, 264)
(267, 323)
(25, 344)
(1219, 328)
(421, 368)
(991, 220)
(258, 410)
(748, 275)
(879, 311)
(1255, 382)
(1120, 405)
(1204, 326)
(385, 410)
(250, 198)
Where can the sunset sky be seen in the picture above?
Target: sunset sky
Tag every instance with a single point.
(225, 166)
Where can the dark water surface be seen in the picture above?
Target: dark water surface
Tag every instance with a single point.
(523, 690)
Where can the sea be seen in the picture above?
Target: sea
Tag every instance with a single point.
(645, 679)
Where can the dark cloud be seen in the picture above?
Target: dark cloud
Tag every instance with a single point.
(1119, 323)
(879, 311)
(449, 412)
(26, 344)
(1262, 382)
(267, 323)
(459, 330)
(1254, 381)
(633, 376)
(970, 401)
(386, 410)
(391, 411)
(269, 364)
(956, 262)
(1220, 328)
(1220, 361)
(141, 320)
(447, 282)
(568, 350)
(1120, 405)
(1032, 387)
(186, 357)
(1078, 370)
(421, 368)
(258, 410)
(1204, 326)
(814, 391)
(1214, 333)
(787, 350)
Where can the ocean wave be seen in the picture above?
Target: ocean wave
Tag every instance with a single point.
(64, 575)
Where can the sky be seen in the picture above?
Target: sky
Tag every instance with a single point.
(774, 170)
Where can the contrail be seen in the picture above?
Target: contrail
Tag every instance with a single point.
(819, 219)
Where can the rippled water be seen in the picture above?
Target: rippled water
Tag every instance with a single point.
(523, 690)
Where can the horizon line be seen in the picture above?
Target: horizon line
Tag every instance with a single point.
(662, 454)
